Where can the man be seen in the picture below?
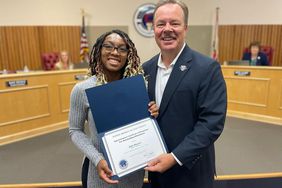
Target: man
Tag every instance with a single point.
(191, 93)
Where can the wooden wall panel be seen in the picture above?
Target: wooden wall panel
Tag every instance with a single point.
(245, 90)
(43, 102)
(12, 47)
(19, 47)
(18, 106)
(257, 94)
(57, 38)
(29, 51)
(23, 45)
(234, 38)
(3, 49)
(64, 95)
(280, 96)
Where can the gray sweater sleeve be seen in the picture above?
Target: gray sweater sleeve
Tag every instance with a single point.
(77, 117)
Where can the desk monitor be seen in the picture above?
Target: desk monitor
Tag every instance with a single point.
(239, 62)
(83, 65)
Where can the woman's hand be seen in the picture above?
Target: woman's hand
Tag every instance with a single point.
(104, 172)
(153, 109)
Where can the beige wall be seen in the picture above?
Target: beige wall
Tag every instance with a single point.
(120, 13)
(113, 12)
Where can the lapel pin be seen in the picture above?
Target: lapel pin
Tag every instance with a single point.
(183, 68)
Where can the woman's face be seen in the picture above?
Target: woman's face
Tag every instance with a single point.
(254, 50)
(114, 53)
(64, 57)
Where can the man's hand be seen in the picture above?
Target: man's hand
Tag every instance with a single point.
(104, 172)
(153, 109)
(161, 164)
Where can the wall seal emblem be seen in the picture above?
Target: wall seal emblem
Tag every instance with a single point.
(143, 19)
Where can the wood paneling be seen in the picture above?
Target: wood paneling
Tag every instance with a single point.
(280, 97)
(43, 102)
(259, 93)
(64, 94)
(248, 91)
(19, 46)
(3, 49)
(23, 45)
(234, 38)
(57, 38)
(25, 107)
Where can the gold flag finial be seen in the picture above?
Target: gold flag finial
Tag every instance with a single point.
(82, 12)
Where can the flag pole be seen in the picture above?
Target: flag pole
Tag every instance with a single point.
(84, 48)
(82, 11)
(215, 51)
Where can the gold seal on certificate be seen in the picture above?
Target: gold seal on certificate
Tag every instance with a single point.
(130, 136)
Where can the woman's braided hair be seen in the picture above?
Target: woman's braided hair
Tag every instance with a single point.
(132, 66)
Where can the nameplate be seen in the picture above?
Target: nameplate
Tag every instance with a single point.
(16, 83)
(242, 73)
(80, 77)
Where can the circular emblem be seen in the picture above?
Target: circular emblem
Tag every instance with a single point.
(123, 164)
(143, 20)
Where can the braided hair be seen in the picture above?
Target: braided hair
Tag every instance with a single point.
(132, 66)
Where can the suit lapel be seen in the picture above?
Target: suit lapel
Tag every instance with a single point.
(180, 68)
(152, 79)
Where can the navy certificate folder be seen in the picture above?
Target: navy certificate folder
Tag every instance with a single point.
(118, 103)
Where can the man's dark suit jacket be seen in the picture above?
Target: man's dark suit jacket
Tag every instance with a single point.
(191, 117)
(261, 59)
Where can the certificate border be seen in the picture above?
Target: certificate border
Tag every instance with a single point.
(139, 166)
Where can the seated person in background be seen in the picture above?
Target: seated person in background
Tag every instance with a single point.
(64, 62)
(255, 56)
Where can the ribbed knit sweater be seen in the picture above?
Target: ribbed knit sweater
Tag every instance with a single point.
(79, 116)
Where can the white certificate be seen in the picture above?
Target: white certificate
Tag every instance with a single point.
(130, 147)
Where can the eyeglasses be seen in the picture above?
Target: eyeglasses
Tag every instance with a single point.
(110, 48)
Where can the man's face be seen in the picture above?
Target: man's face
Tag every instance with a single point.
(169, 28)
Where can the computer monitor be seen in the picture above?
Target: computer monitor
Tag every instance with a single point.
(83, 65)
(239, 62)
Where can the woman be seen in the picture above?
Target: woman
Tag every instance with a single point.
(64, 62)
(113, 57)
(255, 56)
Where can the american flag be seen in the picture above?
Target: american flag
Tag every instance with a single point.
(214, 53)
(84, 48)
